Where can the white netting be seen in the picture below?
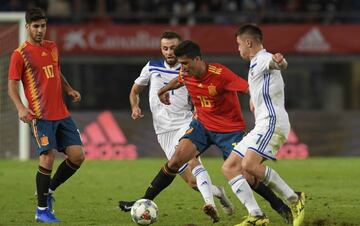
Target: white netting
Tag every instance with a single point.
(9, 124)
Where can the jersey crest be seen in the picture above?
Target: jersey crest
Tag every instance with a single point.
(212, 90)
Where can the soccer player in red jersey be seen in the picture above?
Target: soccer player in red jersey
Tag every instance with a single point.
(171, 121)
(218, 120)
(214, 95)
(36, 64)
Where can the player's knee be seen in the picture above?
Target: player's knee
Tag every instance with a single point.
(231, 167)
(174, 164)
(47, 159)
(77, 157)
(177, 160)
(80, 159)
(185, 151)
(248, 167)
(227, 169)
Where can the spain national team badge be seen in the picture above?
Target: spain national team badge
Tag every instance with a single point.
(212, 90)
(44, 140)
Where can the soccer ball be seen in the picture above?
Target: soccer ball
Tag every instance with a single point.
(144, 212)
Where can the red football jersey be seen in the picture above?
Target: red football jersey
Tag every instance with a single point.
(214, 96)
(38, 67)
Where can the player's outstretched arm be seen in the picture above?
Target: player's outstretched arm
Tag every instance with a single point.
(75, 95)
(162, 93)
(23, 112)
(135, 101)
(278, 62)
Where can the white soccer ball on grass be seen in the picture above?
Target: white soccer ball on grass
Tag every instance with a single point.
(144, 212)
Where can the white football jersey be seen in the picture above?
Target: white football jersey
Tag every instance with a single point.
(267, 92)
(157, 73)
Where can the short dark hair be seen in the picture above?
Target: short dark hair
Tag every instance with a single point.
(188, 48)
(34, 14)
(250, 29)
(170, 35)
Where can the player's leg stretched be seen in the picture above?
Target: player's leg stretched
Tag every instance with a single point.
(166, 174)
(275, 202)
(296, 200)
(207, 189)
(161, 181)
(185, 173)
(185, 151)
(232, 170)
(271, 178)
(203, 186)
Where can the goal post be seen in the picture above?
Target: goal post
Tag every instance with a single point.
(8, 34)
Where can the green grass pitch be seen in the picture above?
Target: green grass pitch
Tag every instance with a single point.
(90, 197)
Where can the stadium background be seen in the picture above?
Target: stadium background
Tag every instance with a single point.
(105, 43)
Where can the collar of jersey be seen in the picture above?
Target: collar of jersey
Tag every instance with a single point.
(176, 67)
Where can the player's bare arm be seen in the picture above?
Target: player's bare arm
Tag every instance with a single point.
(75, 95)
(162, 93)
(278, 62)
(23, 112)
(135, 101)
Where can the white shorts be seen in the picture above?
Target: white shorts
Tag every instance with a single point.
(169, 140)
(264, 140)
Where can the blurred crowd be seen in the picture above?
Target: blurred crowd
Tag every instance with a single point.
(194, 11)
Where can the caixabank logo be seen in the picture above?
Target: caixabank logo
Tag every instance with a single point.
(104, 139)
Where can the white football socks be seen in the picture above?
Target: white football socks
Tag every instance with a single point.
(204, 184)
(243, 191)
(216, 191)
(273, 180)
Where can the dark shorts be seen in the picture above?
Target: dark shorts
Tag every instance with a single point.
(57, 134)
(203, 138)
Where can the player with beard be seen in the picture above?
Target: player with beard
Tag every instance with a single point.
(172, 121)
(218, 120)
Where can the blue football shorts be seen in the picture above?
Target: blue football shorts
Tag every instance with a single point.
(203, 138)
(55, 134)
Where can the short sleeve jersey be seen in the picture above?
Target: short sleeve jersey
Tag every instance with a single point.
(37, 66)
(156, 74)
(215, 98)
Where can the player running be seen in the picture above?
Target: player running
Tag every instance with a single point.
(272, 127)
(213, 89)
(171, 121)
